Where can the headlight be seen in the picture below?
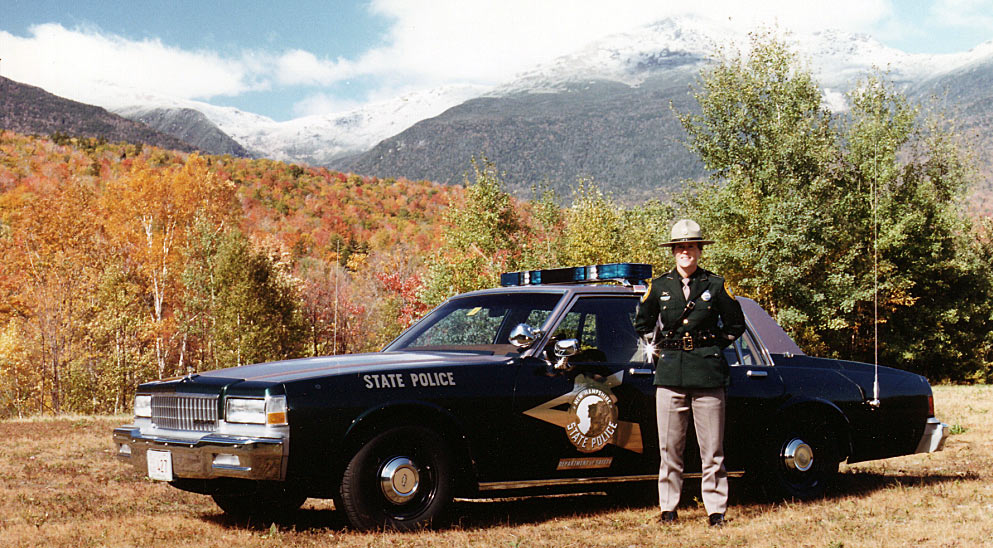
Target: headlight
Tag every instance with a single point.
(143, 405)
(271, 411)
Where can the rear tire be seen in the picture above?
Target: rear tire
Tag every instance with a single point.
(800, 460)
(400, 479)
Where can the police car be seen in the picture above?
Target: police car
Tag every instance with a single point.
(540, 385)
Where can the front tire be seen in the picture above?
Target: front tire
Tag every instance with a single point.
(400, 479)
(260, 508)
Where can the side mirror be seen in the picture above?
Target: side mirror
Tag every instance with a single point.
(523, 335)
(563, 350)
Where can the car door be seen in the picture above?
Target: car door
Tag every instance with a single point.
(596, 415)
(754, 395)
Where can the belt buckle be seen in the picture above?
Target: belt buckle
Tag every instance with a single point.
(687, 341)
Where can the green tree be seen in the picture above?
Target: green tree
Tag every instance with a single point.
(911, 177)
(593, 227)
(121, 357)
(818, 217)
(644, 229)
(545, 247)
(483, 238)
(763, 132)
(196, 317)
(256, 310)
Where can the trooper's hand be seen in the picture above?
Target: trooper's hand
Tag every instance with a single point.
(647, 343)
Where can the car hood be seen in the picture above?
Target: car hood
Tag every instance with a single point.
(324, 366)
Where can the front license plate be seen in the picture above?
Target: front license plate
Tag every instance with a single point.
(160, 465)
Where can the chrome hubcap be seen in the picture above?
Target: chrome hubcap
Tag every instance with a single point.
(798, 455)
(399, 480)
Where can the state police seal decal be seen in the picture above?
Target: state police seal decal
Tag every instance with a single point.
(591, 420)
(595, 420)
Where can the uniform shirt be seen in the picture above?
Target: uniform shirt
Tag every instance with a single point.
(704, 366)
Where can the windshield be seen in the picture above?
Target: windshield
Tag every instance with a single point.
(480, 324)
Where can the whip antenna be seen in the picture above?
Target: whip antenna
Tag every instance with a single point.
(874, 402)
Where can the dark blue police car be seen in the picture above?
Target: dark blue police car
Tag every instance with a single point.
(539, 385)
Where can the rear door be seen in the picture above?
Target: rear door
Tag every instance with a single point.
(755, 393)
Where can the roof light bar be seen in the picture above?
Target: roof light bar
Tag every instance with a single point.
(626, 273)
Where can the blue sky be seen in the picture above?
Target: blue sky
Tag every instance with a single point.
(294, 58)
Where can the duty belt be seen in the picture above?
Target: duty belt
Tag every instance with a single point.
(687, 342)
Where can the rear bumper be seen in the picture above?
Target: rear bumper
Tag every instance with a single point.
(935, 434)
(208, 457)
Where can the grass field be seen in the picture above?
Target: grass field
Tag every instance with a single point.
(61, 486)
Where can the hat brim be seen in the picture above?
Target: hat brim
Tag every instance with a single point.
(687, 241)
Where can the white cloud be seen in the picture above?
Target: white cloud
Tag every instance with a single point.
(298, 67)
(976, 14)
(491, 40)
(426, 44)
(89, 65)
(323, 103)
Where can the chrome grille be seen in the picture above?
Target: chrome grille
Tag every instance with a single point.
(185, 412)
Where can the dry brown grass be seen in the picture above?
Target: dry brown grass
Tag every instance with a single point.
(61, 486)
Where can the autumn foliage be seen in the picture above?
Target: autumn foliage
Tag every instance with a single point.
(125, 263)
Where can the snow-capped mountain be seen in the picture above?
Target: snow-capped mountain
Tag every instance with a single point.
(838, 59)
(317, 140)
(602, 111)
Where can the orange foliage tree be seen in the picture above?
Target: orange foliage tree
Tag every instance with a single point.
(150, 214)
(52, 253)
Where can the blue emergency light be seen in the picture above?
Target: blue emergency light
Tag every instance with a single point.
(626, 273)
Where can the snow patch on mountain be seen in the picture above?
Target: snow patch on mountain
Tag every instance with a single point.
(684, 44)
(319, 139)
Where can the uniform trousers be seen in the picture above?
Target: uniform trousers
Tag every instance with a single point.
(672, 408)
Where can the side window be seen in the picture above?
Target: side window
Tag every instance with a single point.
(604, 327)
(537, 317)
(744, 352)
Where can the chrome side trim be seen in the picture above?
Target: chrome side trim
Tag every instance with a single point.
(602, 480)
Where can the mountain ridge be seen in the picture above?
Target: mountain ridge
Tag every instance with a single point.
(30, 109)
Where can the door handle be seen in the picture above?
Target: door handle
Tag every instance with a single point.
(757, 374)
(637, 371)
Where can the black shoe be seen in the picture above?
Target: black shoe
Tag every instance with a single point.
(716, 520)
(668, 516)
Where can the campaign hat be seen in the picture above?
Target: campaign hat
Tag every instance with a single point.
(686, 231)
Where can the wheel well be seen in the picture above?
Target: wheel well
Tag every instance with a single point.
(818, 411)
(439, 420)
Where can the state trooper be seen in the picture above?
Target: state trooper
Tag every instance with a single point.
(689, 317)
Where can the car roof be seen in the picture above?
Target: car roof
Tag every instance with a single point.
(561, 289)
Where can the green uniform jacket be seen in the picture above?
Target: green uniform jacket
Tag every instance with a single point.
(704, 366)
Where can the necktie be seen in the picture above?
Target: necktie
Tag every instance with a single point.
(686, 289)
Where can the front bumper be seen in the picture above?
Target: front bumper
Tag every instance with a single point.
(935, 434)
(208, 457)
